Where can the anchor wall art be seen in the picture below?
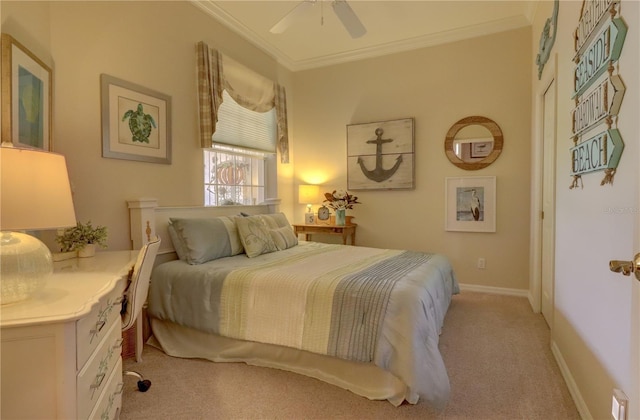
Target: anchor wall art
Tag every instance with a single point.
(380, 155)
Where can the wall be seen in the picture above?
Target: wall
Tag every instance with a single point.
(151, 44)
(594, 331)
(437, 86)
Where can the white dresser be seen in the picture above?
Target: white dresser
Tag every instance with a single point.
(60, 354)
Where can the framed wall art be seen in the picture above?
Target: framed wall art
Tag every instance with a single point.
(26, 97)
(470, 204)
(380, 155)
(480, 148)
(136, 122)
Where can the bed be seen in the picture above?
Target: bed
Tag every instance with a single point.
(364, 319)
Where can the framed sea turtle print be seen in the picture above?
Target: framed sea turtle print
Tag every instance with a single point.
(380, 155)
(136, 122)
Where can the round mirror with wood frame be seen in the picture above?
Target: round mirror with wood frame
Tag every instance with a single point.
(473, 164)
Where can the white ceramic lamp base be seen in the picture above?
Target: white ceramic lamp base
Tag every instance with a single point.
(25, 266)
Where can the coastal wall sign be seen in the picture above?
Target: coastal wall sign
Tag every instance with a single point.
(598, 91)
(547, 38)
(604, 50)
(601, 102)
(598, 153)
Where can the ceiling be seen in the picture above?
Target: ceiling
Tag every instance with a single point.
(318, 38)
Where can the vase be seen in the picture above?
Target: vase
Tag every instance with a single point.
(89, 250)
(340, 217)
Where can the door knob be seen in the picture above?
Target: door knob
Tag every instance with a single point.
(626, 267)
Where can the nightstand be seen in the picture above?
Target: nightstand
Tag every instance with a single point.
(61, 347)
(344, 231)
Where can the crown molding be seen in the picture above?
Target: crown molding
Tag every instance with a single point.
(220, 15)
(413, 43)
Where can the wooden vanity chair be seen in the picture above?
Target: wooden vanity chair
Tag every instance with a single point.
(136, 295)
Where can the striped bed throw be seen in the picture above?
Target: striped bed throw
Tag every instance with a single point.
(327, 301)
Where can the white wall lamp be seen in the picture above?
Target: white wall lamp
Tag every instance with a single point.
(308, 194)
(34, 195)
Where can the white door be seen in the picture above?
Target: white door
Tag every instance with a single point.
(634, 412)
(548, 202)
(632, 258)
(635, 323)
(631, 267)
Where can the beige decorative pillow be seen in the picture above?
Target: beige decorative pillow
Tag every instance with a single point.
(283, 237)
(255, 236)
(274, 220)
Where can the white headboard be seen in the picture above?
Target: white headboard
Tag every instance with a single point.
(147, 220)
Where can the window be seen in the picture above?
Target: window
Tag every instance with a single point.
(233, 176)
(236, 167)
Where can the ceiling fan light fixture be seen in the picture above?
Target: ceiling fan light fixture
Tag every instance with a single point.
(288, 19)
(341, 8)
(348, 18)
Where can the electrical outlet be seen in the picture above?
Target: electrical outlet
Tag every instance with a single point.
(619, 404)
(481, 263)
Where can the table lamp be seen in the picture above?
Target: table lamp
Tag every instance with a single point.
(308, 194)
(34, 195)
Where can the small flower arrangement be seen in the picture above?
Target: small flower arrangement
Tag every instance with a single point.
(77, 237)
(340, 200)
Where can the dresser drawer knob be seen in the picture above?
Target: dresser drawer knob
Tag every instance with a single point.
(99, 378)
(118, 343)
(99, 326)
(119, 389)
(105, 413)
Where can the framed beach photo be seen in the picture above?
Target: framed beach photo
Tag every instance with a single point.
(470, 204)
(136, 122)
(26, 97)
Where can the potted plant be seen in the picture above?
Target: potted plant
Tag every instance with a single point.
(82, 239)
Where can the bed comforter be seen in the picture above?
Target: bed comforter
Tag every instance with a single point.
(366, 305)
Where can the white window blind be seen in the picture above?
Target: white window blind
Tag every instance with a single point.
(241, 127)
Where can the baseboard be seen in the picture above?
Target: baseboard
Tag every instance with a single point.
(571, 383)
(494, 290)
(532, 302)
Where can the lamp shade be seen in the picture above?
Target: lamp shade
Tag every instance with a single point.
(34, 190)
(34, 195)
(308, 194)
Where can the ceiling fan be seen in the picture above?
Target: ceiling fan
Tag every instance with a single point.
(340, 7)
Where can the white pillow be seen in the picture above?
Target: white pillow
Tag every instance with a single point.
(283, 237)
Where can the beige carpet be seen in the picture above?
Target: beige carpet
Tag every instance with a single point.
(495, 349)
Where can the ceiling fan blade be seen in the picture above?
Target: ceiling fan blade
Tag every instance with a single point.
(348, 18)
(290, 17)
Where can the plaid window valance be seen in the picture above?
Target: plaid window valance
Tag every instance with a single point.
(249, 89)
